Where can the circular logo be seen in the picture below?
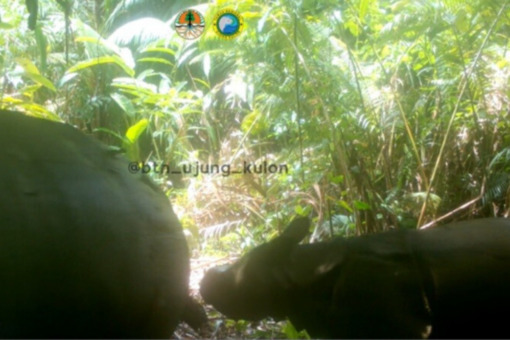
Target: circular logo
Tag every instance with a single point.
(228, 24)
(189, 24)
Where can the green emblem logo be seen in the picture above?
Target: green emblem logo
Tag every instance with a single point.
(189, 24)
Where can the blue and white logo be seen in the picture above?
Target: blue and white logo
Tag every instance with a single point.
(228, 24)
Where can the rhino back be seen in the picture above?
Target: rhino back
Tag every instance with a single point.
(87, 249)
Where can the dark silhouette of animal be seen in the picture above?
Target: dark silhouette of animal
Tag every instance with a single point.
(87, 249)
(194, 315)
(445, 282)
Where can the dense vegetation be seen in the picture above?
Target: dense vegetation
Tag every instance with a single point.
(387, 113)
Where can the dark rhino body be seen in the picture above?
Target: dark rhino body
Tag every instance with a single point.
(444, 282)
(87, 249)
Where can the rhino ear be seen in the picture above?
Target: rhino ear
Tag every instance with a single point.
(297, 230)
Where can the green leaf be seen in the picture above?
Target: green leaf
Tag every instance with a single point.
(304, 33)
(156, 60)
(461, 21)
(30, 90)
(6, 26)
(254, 122)
(99, 61)
(299, 210)
(185, 55)
(130, 142)
(345, 205)
(262, 21)
(352, 27)
(124, 103)
(337, 179)
(138, 87)
(39, 79)
(95, 40)
(159, 49)
(361, 205)
(363, 8)
(36, 110)
(27, 65)
(134, 132)
(67, 77)
(307, 210)
(291, 332)
(113, 133)
(200, 81)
